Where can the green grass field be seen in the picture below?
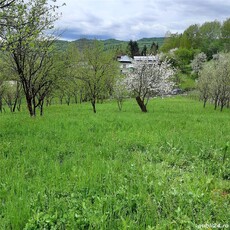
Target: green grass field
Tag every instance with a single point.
(73, 169)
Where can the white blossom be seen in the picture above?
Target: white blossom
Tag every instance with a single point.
(198, 62)
(150, 78)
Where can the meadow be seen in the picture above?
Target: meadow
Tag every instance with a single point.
(73, 169)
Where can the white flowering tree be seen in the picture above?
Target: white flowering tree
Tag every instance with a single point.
(150, 77)
(214, 81)
(120, 91)
(198, 62)
(204, 82)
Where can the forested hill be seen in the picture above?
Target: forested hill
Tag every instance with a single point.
(110, 43)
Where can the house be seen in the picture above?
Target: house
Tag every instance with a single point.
(145, 58)
(125, 63)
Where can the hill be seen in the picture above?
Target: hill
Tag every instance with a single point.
(110, 43)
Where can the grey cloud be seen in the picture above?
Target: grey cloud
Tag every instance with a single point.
(150, 18)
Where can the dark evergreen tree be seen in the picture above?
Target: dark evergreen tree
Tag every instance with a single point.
(144, 51)
(154, 48)
(133, 48)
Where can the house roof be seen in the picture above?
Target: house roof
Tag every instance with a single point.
(125, 59)
(144, 58)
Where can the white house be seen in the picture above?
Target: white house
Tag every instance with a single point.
(149, 58)
(125, 63)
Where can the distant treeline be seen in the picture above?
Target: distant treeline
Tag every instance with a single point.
(209, 38)
(112, 44)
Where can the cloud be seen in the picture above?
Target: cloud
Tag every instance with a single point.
(125, 19)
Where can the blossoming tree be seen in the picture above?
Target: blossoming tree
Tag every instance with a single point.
(149, 77)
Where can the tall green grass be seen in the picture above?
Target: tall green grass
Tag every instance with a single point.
(73, 169)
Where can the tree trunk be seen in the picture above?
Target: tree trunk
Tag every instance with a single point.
(221, 107)
(30, 106)
(141, 104)
(119, 103)
(15, 104)
(204, 105)
(41, 107)
(93, 102)
(19, 104)
(75, 99)
(222, 104)
(61, 99)
(215, 103)
(0, 104)
(67, 100)
(49, 101)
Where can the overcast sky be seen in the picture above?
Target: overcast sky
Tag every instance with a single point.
(135, 19)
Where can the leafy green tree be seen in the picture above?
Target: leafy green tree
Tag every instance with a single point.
(225, 34)
(98, 70)
(6, 3)
(210, 33)
(192, 34)
(183, 58)
(26, 41)
(1, 88)
(171, 41)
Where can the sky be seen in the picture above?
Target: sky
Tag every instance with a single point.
(135, 19)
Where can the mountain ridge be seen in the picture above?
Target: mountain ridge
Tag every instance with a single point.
(110, 43)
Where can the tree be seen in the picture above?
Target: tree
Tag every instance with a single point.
(10, 87)
(192, 34)
(11, 94)
(225, 34)
(97, 69)
(204, 82)
(26, 41)
(171, 41)
(197, 63)
(214, 81)
(183, 58)
(120, 91)
(1, 91)
(154, 48)
(149, 78)
(133, 48)
(210, 33)
(6, 3)
(221, 84)
(144, 51)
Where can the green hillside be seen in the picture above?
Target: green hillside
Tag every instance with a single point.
(110, 43)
